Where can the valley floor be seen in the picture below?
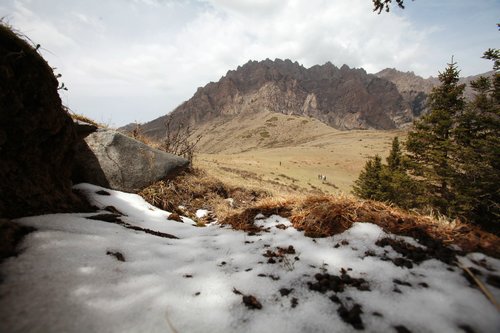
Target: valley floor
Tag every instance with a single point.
(283, 153)
(128, 268)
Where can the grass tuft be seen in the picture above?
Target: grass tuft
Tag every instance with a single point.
(84, 119)
(324, 215)
(318, 215)
(194, 189)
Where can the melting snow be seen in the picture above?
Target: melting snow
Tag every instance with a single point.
(78, 274)
(201, 213)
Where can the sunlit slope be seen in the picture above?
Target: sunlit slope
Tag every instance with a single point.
(287, 153)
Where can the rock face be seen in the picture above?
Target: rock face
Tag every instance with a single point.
(415, 89)
(111, 159)
(36, 134)
(343, 98)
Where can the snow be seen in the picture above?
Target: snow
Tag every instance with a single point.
(64, 280)
(201, 213)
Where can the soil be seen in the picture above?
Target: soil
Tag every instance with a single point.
(115, 218)
(351, 316)
(251, 302)
(416, 255)
(117, 255)
(326, 282)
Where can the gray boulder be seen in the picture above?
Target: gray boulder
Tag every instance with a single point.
(111, 159)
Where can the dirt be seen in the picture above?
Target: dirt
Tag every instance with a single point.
(493, 280)
(285, 291)
(351, 316)
(102, 192)
(416, 255)
(326, 282)
(250, 301)
(401, 329)
(115, 218)
(175, 217)
(466, 329)
(118, 255)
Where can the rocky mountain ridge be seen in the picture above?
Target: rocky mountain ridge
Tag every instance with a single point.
(413, 87)
(344, 98)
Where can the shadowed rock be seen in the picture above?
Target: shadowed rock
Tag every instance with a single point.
(37, 136)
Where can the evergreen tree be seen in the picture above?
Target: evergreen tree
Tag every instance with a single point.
(389, 183)
(477, 161)
(401, 189)
(431, 146)
(395, 159)
(368, 185)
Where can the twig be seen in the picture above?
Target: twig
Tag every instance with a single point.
(172, 328)
(481, 286)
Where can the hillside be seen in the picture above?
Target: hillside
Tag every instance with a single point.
(343, 98)
(283, 153)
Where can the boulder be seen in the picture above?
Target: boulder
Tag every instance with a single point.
(111, 159)
(37, 135)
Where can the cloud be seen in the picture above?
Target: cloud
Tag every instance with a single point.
(38, 29)
(152, 48)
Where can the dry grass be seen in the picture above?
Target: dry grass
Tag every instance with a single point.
(137, 134)
(322, 216)
(299, 152)
(195, 189)
(316, 215)
(84, 119)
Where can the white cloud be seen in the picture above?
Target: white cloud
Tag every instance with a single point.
(168, 48)
(38, 29)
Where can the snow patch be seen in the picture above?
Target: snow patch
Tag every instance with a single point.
(71, 277)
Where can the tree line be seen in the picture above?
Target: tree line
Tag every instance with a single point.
(450, 161)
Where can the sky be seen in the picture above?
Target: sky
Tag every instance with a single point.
(129, 61)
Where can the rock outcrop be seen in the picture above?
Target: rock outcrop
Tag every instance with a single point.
(344, 98)
(414, 89)
(111, 159)
(37, 135)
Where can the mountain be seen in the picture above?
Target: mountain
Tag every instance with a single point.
(344, 98)
(415, 89)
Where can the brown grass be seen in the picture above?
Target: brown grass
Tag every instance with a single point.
(195, 189)
(84, 119)
(322, 216)
(137, 134)
(317, 215)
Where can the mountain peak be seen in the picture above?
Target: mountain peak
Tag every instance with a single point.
(344, 98)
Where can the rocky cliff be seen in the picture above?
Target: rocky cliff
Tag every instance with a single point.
(344, 98)
(414, 89)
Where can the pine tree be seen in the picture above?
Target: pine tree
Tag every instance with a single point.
(388, 183)
(477, 161)
(395, 159)
(368, 185)
(430, 144)
(401, 189)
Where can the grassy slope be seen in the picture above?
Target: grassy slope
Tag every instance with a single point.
(283, 153)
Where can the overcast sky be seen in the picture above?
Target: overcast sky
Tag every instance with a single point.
(135, 60)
